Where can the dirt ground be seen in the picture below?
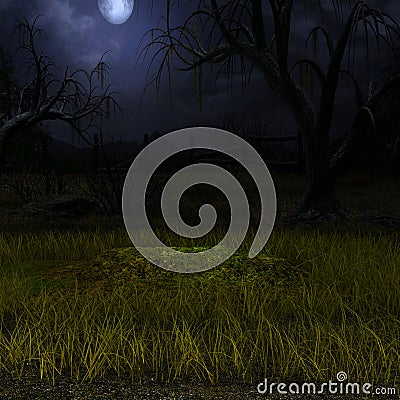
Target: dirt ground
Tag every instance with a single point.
(119, 389)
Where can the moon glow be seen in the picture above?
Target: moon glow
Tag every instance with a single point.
(115, 11)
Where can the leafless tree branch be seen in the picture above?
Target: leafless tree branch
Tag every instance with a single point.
(80, 98)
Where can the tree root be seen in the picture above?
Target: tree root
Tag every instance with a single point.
(315, 217)
(386, 221)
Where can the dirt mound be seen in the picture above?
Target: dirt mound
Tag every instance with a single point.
(128, 263)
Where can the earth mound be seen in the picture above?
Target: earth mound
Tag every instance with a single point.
(129, 264)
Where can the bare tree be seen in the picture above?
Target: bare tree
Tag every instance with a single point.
(222, 33)
(79, 98)
(8, 87)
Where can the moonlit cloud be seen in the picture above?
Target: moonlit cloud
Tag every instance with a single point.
(7, 4)
(67, 18)
(75, 29)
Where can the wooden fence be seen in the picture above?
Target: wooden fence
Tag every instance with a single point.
(209, 156)
(205, 156)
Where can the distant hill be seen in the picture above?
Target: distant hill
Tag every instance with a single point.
(74, 159)
(66, 157)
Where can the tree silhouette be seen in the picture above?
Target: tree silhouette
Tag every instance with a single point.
(222, 33)
(8, 86)
(79, 98)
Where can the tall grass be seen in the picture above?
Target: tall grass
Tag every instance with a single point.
(206, 332)
(343, 317)
(59, 245)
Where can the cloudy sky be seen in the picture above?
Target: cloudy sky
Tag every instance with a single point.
(77, 35)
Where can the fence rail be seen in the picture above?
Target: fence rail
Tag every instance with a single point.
(258, 138)
(203, 157)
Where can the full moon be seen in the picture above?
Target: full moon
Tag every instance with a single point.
(115, 11)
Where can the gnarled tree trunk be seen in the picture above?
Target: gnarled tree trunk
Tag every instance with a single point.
(320, 196)
(237, 29)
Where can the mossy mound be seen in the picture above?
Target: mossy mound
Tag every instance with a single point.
(128, 264)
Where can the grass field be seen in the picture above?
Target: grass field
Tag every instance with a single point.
(317, 301)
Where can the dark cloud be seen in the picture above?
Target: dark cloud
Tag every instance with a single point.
(78, 36)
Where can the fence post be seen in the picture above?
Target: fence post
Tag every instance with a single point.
(300, 150)
(45, 161)
(96, 152)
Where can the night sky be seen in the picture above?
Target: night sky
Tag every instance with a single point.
(78, 36)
